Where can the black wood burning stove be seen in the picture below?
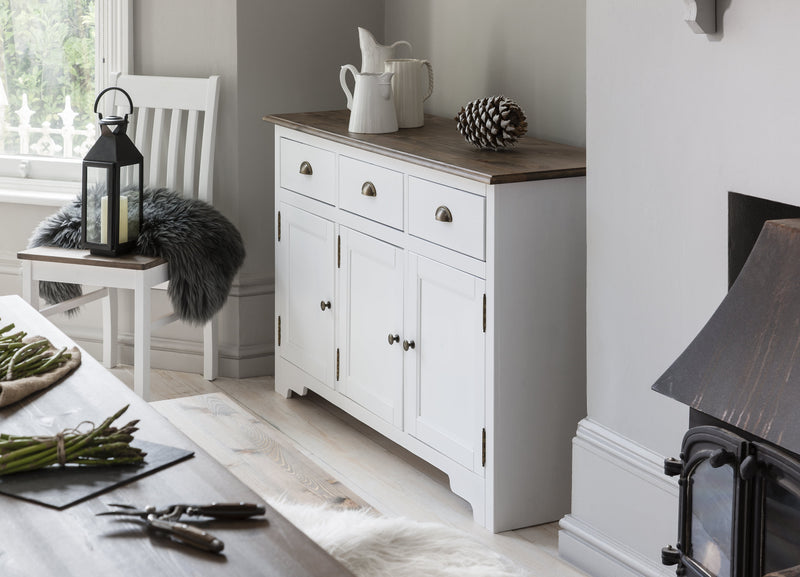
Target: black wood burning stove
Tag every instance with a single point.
(739, 467)
(739, 506)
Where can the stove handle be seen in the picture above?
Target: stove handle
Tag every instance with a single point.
(748, 467)
(721, 457)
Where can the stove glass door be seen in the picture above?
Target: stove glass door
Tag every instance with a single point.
(781, 545)
(712, 492)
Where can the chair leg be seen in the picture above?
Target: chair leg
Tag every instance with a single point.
(210, 350)
(30, 286)
(110, 329)
(141, 339)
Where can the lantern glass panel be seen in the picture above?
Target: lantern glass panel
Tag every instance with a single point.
(97, 206)
(129, 191)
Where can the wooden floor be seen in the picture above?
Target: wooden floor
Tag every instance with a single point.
(310, 451)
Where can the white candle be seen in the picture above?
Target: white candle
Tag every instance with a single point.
(123, 219)
(104, 220)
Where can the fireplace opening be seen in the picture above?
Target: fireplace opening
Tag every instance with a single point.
(739, 465)
(746, 217)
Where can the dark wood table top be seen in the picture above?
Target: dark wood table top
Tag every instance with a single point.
(42, 541)
(440, 146)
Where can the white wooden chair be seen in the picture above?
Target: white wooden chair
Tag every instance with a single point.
(174, 126)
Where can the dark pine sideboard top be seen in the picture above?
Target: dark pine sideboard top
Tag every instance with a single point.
(440, 146)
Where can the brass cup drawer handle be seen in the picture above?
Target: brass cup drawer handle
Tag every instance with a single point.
(443, 214)
(408, 345)
(325, 305)
(305, 168)
(393, 338)
(368, 189)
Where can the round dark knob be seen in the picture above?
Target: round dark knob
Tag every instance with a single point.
(673, 467)
(393, 338)
(325, 305)
(408, 345)
(670, 555)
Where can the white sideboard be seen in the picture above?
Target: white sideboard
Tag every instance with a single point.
(437, 293)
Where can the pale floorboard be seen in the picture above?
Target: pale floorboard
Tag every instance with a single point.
(310, 451)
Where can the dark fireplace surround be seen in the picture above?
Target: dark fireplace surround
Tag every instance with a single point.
(739, 466)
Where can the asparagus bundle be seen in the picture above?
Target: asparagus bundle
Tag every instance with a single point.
(19, 359)
(102, 446)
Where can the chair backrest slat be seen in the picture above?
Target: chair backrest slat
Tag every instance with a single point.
(157, 158)
(192, 126)
(205, 191)
(142, 135)
(173, 149)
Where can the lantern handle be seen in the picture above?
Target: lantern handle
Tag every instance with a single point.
(97, 100)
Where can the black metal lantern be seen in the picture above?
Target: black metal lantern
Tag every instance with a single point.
(111, 188)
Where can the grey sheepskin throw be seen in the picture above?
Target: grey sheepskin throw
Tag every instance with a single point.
(203, 249)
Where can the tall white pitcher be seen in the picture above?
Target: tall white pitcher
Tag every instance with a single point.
(373, 54)
(410, 89)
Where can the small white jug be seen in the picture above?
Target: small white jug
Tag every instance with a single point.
(371, 104)
(373, 55)
(409, 94)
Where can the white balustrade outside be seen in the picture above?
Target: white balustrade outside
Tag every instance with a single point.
(44, 140)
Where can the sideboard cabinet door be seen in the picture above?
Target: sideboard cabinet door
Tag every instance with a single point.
(371, 327)
(305, 292)
(445, 378)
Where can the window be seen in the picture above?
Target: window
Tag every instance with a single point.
(55, 55)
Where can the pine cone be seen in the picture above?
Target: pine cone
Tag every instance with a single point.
(492, 123)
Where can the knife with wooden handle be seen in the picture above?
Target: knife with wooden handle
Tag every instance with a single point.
(186, 534)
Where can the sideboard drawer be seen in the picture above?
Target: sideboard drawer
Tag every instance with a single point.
(430, 205)
(371, 191)
(308, 170)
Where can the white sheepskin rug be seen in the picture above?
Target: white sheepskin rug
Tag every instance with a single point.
(371, 546)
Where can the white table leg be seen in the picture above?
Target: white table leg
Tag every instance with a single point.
(141, 339)
(110, 329)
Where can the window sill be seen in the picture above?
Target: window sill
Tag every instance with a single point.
(37, 192)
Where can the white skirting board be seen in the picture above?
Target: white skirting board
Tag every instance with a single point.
(624, 509)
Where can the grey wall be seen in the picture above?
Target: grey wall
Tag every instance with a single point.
(533, 51)
(289, 54)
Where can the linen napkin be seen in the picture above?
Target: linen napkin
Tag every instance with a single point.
(16, 390)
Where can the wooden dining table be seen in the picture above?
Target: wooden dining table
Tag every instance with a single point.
(41, 540)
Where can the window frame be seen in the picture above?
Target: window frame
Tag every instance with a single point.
(52, 180)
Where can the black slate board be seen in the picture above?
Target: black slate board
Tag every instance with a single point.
(62, 487)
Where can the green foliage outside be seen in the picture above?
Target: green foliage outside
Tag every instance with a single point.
(47, 51)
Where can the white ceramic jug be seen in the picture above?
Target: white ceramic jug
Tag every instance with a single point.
(371, 104)
(373, 55)
(410, 90)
